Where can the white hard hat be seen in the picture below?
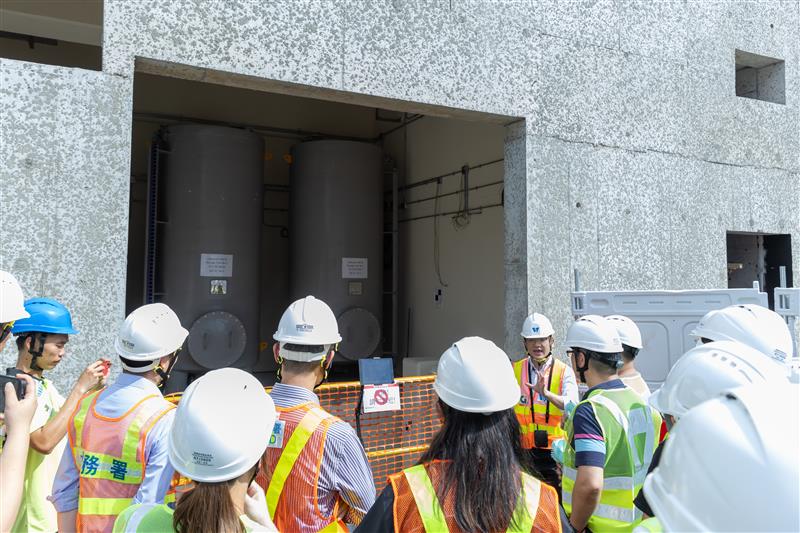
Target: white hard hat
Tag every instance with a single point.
(627, 330)
(476, 376)
(12, 302)
(707, 370)
(731, 464)
(752, 325)
(536, 326)
(595, 333)
(307, 322)
(148, 334)
(222, 426)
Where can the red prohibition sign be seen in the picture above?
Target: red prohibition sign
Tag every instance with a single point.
(381, 397)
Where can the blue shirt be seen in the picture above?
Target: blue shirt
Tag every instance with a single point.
(345, 469)
(114, 401)
(588, 440)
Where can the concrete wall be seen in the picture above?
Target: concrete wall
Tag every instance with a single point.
(629, 107)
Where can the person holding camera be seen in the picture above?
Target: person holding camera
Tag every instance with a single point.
(17, 410)
(546, 384)
(41, 340)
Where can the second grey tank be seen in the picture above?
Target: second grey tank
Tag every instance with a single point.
(336, 237)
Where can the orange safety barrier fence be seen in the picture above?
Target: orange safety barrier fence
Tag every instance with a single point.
(393, 440)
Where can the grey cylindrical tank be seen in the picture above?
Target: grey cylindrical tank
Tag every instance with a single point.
(209, 245)
(336, 236)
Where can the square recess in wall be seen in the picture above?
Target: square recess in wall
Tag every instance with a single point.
(760, 77)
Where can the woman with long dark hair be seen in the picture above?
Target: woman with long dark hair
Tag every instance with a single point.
(222, 427)
(475, 477)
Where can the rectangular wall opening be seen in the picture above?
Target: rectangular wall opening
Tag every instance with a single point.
(438, 183)
(67, 33)
(760, 77)
(759, 257)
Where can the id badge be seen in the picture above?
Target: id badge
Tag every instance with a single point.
(276, 438)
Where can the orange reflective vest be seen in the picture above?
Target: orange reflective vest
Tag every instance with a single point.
(534, 411)
(290, 469)
(417, 508)
(109, 456)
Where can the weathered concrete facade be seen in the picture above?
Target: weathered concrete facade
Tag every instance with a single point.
(628, 155)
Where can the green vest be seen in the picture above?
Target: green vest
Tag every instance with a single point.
(630, 430)
(147, 518)
(651, 525)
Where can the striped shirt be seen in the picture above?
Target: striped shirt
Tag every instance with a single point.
(345, 469)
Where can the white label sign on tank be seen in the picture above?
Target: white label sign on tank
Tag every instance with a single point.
(355, 268)
(216, 265)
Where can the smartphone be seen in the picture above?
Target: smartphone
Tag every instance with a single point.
(19, 386)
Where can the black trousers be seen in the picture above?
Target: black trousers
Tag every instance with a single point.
(548, 468)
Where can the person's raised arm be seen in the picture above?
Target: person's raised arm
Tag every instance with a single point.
(46, 438)
(17, 419)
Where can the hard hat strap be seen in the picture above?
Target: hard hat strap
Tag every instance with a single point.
(164, 374)
(36, 353)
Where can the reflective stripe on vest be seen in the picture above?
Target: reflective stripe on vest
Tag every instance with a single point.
(300, 436)
(109, 457)
(651, 525)
(335, 527)
(629, 429)
(535, 417)
(432, 514)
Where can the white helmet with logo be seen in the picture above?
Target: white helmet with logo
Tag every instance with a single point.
(476, 376)
(707, 370)
(753, 325)
(222, 426)
(12, 302)
(627, 330)
(536, 326)
(731, 464)
(148, 334)
(307, 322)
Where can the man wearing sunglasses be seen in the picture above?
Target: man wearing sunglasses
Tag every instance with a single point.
(118, 437)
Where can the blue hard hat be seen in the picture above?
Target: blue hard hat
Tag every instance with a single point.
(47, 316)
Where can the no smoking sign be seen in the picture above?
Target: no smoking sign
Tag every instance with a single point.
(378, 398)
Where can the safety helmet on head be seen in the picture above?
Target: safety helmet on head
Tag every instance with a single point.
(476, 376)
(537, 326)
(731, 464)
(707, 370)
(753, 325)
(628, 331)
(148, 334)
(222, 426)
(307, 322)
(594, 333)
(46, 316)
(11, 299)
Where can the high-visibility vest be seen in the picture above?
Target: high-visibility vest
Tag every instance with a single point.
(153, 517)
(630, 430)
(290, 472)
(543, 415)
(109, 457)
(651, 525)
(417, 508)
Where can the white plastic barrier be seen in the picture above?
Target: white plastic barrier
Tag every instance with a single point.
(787, 304)
(665, 318)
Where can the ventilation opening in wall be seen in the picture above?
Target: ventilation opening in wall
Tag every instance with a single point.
(760, 77)
(66, 33)
(759, 257)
